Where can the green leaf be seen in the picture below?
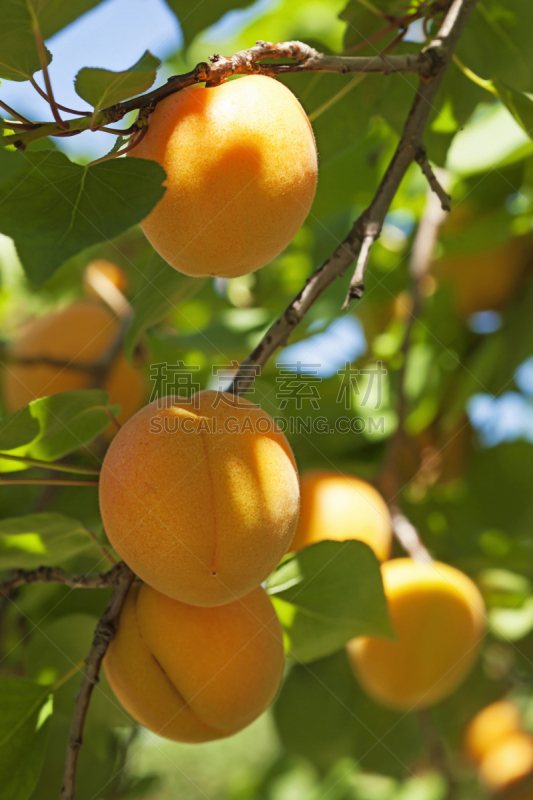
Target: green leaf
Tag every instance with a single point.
(54, 15)
(51, 427)
(195, 18)
(19, 58)
(161, 290)
(102, 87)
(496, 42)
(25, 709)
(41, 540)
(364, 21)
(10, 163)
(322, 714)
(519, 104)
(52, 651)
(55, 208)
(326, 595)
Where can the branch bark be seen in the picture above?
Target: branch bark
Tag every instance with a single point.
(57, 575)
(246, 62)
(103, 635)
(369, 224)
(408, 536)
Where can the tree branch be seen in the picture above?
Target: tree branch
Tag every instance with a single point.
(103, 635)
(371, 221)
(407, 535)
(45, 482)
(246, 62)
(57, 575)
(444, 197)
(56, 466)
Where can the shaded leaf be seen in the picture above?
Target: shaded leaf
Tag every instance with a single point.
(25, 709)
(195, 18)
(41, 540)
(102, 87)
(51, 427)
(161, 290)
(55, 208)
(326, 594)
(52, 651)
(322, 714)
(54, 15)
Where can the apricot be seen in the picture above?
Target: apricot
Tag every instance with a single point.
(78, 335)
(195, 674)
(200, 497)
(508, 762)
(438, 616)
(241, 167)
(341, 507)
(486, 280)
(490, 727)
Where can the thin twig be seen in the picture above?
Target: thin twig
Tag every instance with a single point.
(133, 142)
(106, 290)
(103, 635)
(57, 575)
(113, 419)
(58, 105)
(15, 114)
(53, 465)
(46, 75)
(357, 286)
(408, 536)
(44, 482)
(444, 197)
(103, 549)
(440, 51)
(420, 263)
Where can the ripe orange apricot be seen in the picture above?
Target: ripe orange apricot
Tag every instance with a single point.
(241, 168)
(341, 507)
(508, 762)
(200, 497)
(78, 335)
(490, 727)
(195, 674)
(438, 616)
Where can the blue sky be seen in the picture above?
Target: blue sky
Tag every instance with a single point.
(114, 35)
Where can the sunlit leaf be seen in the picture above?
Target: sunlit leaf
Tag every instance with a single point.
(325, 595)
(41, 540)
(102, 87)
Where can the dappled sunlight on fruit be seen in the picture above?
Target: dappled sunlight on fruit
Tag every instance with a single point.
(341, 507)
(241, 170)
(200, 501)
(438, 616)
(195, 674)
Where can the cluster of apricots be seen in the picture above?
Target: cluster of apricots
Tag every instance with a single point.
(203, 511)
(495, 742)
(436, 611)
